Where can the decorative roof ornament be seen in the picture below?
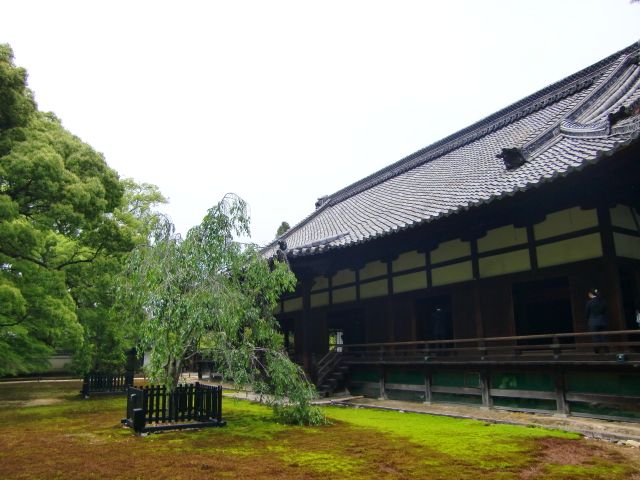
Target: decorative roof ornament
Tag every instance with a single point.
(512, 158)
(321, 201)
(281, 253)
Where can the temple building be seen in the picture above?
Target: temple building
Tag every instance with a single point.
(502, 228)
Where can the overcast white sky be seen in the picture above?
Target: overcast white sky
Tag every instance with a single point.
(282, 102)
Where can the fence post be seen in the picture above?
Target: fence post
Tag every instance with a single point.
(138, 420)
(132, 400)
(85, 386)
(197, 402)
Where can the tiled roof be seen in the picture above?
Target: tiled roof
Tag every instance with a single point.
(560, 129)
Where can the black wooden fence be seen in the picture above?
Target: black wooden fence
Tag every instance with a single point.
(106, 383)
(188, 406)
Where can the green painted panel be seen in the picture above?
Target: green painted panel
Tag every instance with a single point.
(371, 376)
(454, 398)
(539, 382)
(626, 411)
(369, 392)
(448, 379)
(473, 380)
(525, 403)
(603, 383)
(410, 378)
(406, 395)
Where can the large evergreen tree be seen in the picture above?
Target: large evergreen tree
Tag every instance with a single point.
(65, 226)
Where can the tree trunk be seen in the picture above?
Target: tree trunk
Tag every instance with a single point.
(174, 369)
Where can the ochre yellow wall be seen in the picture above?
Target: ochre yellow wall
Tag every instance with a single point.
(517, 261)
(408, 260)
(373, 269)
(320, 283)
(343, 295)
(627, 246)
(320, 299)
(450, 250)
(502, 237)
(566, 221)
(342, 277)
(293, 305)
(411, 281)
(572, 250)
(458, 272)
(621, 216)
(374, 289)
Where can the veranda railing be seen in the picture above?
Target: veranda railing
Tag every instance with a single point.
(622, 344)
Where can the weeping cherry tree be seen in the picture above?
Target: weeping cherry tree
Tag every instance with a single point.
(209, 293)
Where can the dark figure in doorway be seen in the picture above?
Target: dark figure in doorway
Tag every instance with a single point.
(595, 310)
(440, 330)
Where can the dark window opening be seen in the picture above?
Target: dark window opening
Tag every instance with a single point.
(350, 324)
(630, 298)
(425, 309)
(542, 307)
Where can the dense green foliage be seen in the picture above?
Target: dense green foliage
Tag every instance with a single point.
(283, 228)
(209, 293)
(66, 223)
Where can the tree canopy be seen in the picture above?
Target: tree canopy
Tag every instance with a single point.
(208, 293)
(66, 223)
(283, 228)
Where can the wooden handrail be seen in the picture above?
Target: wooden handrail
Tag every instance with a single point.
(494, 339)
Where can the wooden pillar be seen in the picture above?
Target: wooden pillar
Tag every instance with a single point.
(613, 293)
(606, 233)
(389, 278)
(428, 395)
(477, 305)
(531, 244)
(427, 260)
(485, 386)
(475, 264)
(383, 383)
(560, 386)
(390, 318)
(612, 290)
(307, 327)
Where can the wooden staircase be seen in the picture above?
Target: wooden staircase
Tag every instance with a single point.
(331, 374)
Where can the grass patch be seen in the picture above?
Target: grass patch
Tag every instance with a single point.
(74, 438)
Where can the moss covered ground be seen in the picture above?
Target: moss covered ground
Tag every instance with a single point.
(49, 431)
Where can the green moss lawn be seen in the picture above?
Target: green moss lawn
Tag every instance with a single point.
(47, 431)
